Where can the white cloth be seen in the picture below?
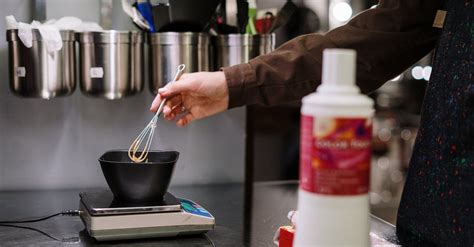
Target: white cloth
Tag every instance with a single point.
(50, 30)
(51, 37)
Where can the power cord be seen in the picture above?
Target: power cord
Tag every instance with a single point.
(72, 240)
(63, 213)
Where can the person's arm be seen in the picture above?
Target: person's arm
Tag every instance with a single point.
(388, 39)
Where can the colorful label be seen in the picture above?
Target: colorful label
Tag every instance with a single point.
(193, 208)
(335, 155)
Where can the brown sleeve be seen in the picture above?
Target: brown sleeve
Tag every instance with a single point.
(388, 39)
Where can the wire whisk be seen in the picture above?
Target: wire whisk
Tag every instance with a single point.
(134, 152)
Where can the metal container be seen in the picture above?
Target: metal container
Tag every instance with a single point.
(168, 50)
(232, 49)
(111, 63)
(38, 74)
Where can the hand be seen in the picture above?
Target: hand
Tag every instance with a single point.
(202, 94)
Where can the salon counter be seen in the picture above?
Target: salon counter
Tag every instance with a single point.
(240, 221)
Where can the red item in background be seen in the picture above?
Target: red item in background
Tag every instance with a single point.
(263, 25)
(286, 236)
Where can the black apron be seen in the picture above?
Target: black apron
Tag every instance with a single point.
(437, 206)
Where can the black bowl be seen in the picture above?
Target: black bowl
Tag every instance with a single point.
(138, 182)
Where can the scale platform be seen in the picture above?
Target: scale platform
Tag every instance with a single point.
(108, 219)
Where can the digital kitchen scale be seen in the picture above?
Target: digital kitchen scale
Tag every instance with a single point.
(109, 219)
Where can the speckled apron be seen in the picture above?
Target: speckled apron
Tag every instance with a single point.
(437, 205)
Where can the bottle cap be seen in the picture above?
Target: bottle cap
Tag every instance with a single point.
(339, 67)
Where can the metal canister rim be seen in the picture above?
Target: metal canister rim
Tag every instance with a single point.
(109, 36)
(66, 35)
(137, 37)
(243, 39)
(176, 38)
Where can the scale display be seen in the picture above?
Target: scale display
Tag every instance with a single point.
(193, 208)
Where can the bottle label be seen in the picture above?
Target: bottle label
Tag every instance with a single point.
(335, 155)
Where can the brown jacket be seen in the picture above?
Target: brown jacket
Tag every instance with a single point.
(388, 39)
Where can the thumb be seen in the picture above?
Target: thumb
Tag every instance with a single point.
(174, 88)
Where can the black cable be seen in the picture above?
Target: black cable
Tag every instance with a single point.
(208, 239)
(63, 213)
(72, 240)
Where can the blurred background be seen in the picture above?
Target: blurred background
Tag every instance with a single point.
(275, 130)
(48, 144)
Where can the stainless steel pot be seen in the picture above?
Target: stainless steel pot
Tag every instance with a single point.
(168, 50)
(111, 63)
(36, 73)
(232, 49)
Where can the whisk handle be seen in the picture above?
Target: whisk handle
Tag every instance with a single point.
(179, 72)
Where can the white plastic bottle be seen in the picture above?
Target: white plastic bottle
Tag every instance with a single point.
(336, 132)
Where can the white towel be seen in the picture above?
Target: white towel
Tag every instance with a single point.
(50, 30)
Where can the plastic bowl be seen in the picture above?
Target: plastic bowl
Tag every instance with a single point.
(138, 182)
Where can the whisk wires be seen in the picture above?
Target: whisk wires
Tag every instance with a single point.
(147, 133)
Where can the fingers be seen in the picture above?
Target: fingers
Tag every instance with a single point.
(171, 89)
(170, 105)
(186, 119)
(180, 86)
(156, 103)
(177, 111)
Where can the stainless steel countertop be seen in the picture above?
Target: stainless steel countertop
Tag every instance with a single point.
(239, 222)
